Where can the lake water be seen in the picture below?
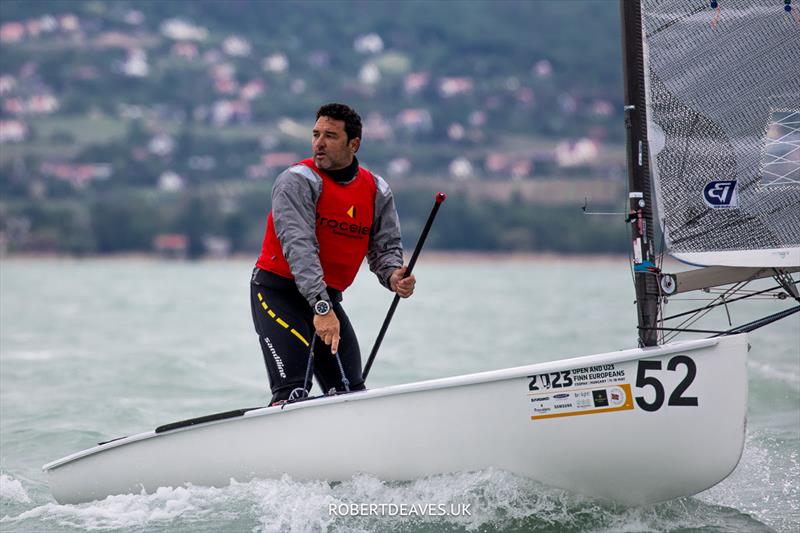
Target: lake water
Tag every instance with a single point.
(96, 349)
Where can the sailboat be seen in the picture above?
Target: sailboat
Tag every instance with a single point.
(713, 153)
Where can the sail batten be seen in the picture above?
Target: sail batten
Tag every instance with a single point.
(723, 122)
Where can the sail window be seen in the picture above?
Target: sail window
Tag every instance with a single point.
(781, 157)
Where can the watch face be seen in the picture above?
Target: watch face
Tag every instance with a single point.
(322, 307)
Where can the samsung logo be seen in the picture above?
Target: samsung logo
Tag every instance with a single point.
(562, 395)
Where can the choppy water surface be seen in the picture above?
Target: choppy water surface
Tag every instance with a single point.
(96, 349)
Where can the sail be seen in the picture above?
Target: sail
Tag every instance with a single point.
(723, 121)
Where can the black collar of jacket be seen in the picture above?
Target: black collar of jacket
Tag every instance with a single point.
(343, 175)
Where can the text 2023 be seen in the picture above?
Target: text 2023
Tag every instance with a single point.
(553, 380)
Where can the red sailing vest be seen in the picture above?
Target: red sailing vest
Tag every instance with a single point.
(344, 220)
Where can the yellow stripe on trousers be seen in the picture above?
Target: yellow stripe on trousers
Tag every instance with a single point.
(280, 321)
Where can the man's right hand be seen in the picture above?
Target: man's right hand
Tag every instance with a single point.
(327, 327)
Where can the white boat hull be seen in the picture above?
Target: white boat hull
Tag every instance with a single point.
(602, 444)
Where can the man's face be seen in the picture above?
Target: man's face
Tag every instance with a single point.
(329, 145)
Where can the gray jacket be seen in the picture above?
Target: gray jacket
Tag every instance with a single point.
(294, 206)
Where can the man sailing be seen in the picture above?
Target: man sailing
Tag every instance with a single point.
(328, 213)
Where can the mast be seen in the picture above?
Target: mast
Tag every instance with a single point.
(639, 184)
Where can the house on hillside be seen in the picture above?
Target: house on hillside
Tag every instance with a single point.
(271, 164)
(415, 82)
(69, 22)
(184, 50)
(79, 175)
(236, 46)
(450, 87)
(12, 131)
(253, 89)
(171, 245)
(500, 165)
(415, 120)
(12, 32)
(181, 30)
(583, 151)
(224, 112)
(135, 65)
(277, 62)
(370, 43)
(377, 128)
(170, 181)
(7, 83)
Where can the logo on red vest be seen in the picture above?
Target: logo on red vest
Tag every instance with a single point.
(352, 211)
(343, 227)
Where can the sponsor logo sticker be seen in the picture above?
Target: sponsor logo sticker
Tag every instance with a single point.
(616, 396)
(600, 398)
(597, 399)
(721, 194)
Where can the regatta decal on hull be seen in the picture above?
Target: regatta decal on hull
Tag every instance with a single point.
(646, 384)
(587, 401)
(580, 391)
(591, 375)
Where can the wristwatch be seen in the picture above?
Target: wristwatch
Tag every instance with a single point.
(322, 307)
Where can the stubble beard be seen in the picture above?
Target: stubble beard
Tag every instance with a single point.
(331, 163)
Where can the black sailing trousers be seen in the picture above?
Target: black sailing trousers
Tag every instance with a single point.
(285, 324)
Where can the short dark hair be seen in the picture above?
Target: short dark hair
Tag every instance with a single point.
(352, 121)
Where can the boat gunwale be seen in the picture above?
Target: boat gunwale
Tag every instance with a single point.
(488, 376)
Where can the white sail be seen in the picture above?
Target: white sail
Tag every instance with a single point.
(723, 110)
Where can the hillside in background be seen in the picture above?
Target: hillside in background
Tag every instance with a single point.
(124, 121)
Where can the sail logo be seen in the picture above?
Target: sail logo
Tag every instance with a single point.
(721, 194)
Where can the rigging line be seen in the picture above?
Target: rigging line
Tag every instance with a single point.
(661, 252)
(703, 312)
(775, 296)
(662, 244)
(629, 231)
(787, 283)
(660, 315)
(730, 301)
(687, 330)
(727, 311)
(769, 295)
(587, 212)
(774, 293)
(761, 322)
(695, 316)
(743, 291)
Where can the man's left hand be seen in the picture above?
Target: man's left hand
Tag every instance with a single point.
(404, 287)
